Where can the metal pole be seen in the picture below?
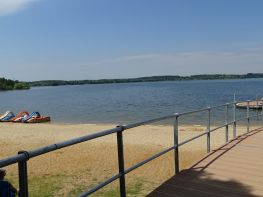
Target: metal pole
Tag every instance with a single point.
(176, 150)
(226, 119)
(23, 179)
(257, 107)
(208, 130)
(248, 121)
(234, 118)
(121, 162)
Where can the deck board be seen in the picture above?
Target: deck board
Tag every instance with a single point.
(234, 170)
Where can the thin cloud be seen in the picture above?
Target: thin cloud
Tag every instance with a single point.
(181, 63)
(123, 59)
(198, 58)
(12, 6)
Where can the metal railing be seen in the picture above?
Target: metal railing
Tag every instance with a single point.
(23, 156)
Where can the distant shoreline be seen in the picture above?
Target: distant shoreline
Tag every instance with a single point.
(146, 79)
(8, 84)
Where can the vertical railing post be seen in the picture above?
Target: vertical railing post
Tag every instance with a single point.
(234, 119)
(257, 107)
(262, 109)
(226, 121)
(176, 149)
(22, 173)
(248, 118)
(121, 162)
(208, 130)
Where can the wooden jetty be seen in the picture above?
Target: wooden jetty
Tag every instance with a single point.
(234, 170)
(251, 104)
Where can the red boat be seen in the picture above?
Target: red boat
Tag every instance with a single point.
(20, 116)
(38, 119)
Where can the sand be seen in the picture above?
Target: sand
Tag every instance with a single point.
(69, 171)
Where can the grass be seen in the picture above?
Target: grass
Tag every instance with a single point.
(45, 186)
(133, 189)
(76, 191)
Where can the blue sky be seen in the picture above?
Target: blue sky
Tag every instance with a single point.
(92, 39)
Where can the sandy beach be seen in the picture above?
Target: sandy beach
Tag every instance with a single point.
(68, 171)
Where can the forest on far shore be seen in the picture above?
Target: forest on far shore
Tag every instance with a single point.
(8, 84)
(147, 79)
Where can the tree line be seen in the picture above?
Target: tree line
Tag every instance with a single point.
(8, 84)
(146, 79)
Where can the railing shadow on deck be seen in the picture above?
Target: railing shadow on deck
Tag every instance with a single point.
(225, 148)
(197, 183)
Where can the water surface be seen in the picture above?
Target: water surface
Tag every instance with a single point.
(130, 102)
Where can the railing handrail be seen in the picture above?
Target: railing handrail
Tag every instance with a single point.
(40, 151)
(23, 156)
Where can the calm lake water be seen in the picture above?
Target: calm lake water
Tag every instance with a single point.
(131, 102)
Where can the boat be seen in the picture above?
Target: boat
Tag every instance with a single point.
(7, 116)
(19, 117)
(39, 119)
(251, 105)
(35, 117)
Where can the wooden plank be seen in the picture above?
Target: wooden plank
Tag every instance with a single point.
(252, 104)
(233, 170)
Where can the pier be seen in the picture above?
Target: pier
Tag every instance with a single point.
(233, 170)
(250, 104)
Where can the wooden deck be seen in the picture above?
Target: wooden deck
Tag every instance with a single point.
(252, 105)
(234, 170)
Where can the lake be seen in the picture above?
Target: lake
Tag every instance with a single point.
(130, 102)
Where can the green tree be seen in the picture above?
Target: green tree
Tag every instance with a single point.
(8, 84)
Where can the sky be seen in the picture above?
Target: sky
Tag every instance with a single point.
(95, 39)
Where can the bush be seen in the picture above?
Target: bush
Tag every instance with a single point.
(21, 86)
